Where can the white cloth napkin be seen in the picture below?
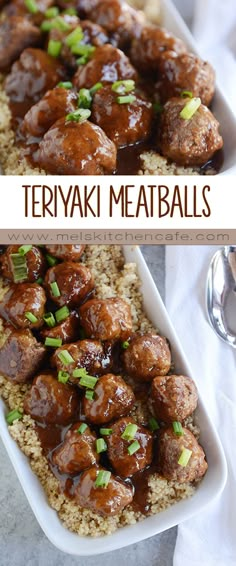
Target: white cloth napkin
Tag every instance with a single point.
(209, 539)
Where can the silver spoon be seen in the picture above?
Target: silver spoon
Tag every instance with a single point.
(221, 281)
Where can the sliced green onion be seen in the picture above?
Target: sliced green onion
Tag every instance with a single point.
(52, 12)
(89, 394)
(63, 376)
(80, 372)
(126, 99)
(153, 424)
(95, 88)
(74, 37)
(123, 87)
(84, 98)
(14, 415)
(53, 342)
(157, 107)
(65, 357)
(49, 319)
(67, 85)
(70, 11)
(82, 428)
(88, 381)
(51, 260)
(55, 289)
(133, 447)
(23, 250)
(82, 49)
(31, 5)
(62, 314)
(82, 60)
(125, 345)
(101, 445)
(178, 429)
(54, 48)
(184, 457)
(60, 24)
(129, 432)
(79, 115)
(190, 108)
(31, 317)
(39, 281)
(103, 478)
(20, 272)
(105, 431)
(186, 94)
(46, 26)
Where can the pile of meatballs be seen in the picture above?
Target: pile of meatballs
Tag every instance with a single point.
(86, 78)
(86, 367)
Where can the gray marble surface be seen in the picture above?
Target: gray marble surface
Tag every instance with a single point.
(22, 542)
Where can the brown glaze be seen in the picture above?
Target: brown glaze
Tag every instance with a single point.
(170, 449)
(21, 356)
(107, 65)
(54, 105)
(23, 298)
(16, 33)
(68, 252)
(51, 402)
(93, 355)
(77, 451)
(35, 263)
(113, 398)
(74, 281)
(173, 397)
(108, 319)
(67, 330)
(148, 355)
(124, 464)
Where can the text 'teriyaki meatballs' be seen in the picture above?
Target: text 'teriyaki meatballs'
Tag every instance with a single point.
(112, 399)
(129, 451)
(107, 65)
(68, 283)
(33, 259)
(108, 319)
(55, 104)
(147, 356)
(77, 451)
(51, 402)
(173, 397)
(181, 458)
(25, 304)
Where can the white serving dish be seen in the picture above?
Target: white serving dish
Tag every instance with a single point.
(208, 489)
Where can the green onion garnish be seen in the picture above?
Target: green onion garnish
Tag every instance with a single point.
(133, 447)
(54, 48)
(30, 316)
(125, 345)
(190, 108)
(70, 11)
(84, 98)
(103, 478)
(20, 272)
(82, 49)
(129, 432)
(123, 87)
(79, 115)
(74, 37)
(62, 314)
(49, 319)
(82, 60)
(153, 424)
(67, 85)
(23, 250)
(65, 357)
(105, 431)
(89, 394)
(184, 457)
(157, 107)
(178, 429)
(63, 376)
(31, 5)
(101, 445)
(186, 94)
(53, 342)
(55, 289)
(51, 260)
(126, 99)
(14, 415)
(39, 281)
(80, 372)
(85, 380)
(52, 12)
(95, 88)
(82, 428)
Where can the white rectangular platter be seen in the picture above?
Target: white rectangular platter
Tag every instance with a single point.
(208, 489)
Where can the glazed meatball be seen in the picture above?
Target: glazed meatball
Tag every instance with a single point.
(148, 49)
(116, 17)
(171, 447)
(16, 33)
(51, 402)
(107, 65)
(73, 280)
(186, 73)
(91, 355)
(21, 356)
(147, 356)
(188, 142)
(55, 104)
(113, 398)
(77, 452)
(105, 501)
(66, 252)
(125, 464)
(94, 34)
(35, 264)
(25, 298)
(108, 319)
(77, 148)
(19, 8)
(67, 330)
(124, 124)
(30, 78)
(173, 397)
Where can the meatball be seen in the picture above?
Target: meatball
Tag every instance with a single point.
(107, 65)
(51, 402)
(106, 319)
(148, 49)
(91, 355)
(77, 148)
(55, 104)
(67, 330)
(125, 464)
(124, 124)
(116, 17)
(186, 72)
(105, 501)
(66, 252)
(147, 356)
(35, 264)
(173, 397)
(73, 282)
(93, 33)
(188, 142)
(77, 452)
(16, 33)
(31, 76)
(113, 398)
(21, 356)
(171, 447)
(23, 300)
